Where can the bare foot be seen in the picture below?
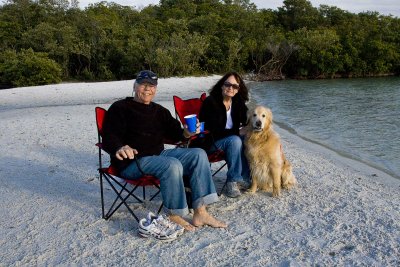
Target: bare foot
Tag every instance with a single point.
(202, 217)
(179, 220)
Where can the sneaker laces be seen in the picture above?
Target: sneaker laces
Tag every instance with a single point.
(164, 222)
(155, 229)
(167, 223)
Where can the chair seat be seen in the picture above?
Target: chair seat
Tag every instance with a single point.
(144, 180)
(216, 156)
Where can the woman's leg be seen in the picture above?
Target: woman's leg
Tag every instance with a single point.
(233, 149)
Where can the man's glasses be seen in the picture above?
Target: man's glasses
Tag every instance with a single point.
(234, 86)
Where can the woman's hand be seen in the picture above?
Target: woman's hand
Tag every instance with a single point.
(243, 131)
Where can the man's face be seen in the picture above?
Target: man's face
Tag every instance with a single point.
(145, 92)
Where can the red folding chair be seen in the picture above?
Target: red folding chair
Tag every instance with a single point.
(193, 106)
(126, 189)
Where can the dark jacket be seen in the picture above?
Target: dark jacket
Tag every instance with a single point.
(213, 113)
(142, 127)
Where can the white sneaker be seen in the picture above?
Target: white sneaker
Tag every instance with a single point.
(155, 230)
(165, 221)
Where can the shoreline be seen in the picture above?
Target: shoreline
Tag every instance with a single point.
(342, 156)
(339, 214)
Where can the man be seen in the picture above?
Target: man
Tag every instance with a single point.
(136, 127)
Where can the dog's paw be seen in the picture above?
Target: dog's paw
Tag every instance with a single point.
(287, 186)
(250, 191)
(276, 193)
(267, 189)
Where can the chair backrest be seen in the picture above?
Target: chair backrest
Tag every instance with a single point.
(100, 114)
(203, 96)
(187, 106)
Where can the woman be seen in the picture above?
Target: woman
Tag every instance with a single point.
(224, 113)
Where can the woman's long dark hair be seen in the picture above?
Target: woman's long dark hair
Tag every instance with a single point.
(243, 93)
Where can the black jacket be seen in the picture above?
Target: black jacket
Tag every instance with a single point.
(142, 127)
(213, 113)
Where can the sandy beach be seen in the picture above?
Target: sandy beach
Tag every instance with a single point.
(341, 213)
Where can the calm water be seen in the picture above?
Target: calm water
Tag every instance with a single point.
(359, 118)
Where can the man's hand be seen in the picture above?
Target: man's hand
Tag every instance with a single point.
(126, 152)
(188, 134)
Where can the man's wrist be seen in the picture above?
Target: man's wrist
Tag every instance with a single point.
(185, 135)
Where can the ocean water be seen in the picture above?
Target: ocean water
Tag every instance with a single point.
(358, 118)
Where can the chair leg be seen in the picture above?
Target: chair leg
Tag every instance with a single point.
(101, 194)
(156, 194)
(112, 210)
(115, 201)
(220, 168)
(120, 198)
(217, 171)
(222, 189)
(159, 209)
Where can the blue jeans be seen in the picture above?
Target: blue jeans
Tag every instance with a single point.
(170, 167)
(238, 166)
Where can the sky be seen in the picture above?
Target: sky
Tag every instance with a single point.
(384, 7)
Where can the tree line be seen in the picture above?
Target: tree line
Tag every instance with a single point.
(48, 41)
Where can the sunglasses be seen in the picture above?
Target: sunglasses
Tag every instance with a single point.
(234, 86)
(146, 75)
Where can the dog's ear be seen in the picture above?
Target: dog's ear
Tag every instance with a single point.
(249, 115)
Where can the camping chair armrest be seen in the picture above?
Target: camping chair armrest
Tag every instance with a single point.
(169, 142)
(194, 137)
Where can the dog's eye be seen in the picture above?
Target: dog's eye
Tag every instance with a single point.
(254, 115)
(263, 115)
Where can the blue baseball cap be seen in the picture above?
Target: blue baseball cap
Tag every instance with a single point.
(147, 76)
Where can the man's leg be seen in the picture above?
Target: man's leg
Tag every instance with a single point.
(197, 168)
(169, 171)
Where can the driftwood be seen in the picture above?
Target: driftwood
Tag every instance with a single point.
(272, 69)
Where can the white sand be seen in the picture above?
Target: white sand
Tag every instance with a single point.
(341, 213)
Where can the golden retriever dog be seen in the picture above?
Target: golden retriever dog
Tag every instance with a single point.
(270, 170)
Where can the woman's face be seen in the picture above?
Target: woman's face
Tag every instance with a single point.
(230, 87)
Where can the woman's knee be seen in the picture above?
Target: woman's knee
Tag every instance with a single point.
(235, 142)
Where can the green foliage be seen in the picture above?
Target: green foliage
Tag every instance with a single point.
(318, 55)
(107, 41)
(296, 14)
(27, 68)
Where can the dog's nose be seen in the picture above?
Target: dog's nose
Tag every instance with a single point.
(258, 123)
